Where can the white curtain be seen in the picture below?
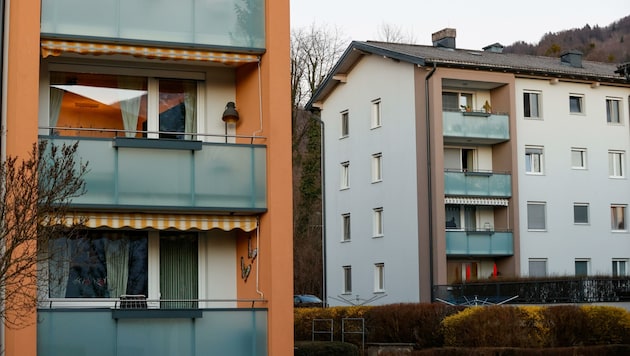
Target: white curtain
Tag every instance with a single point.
(58, 266)
(117, 260)
(130, 108)
(190, 103)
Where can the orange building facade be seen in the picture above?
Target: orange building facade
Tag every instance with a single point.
(187, 248)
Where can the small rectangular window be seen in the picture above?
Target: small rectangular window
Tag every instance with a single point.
(345, 124)
(377, 167)
(345, 223)
(576, 104)
(378, 222)
(581, 268)
(347, 279)
(616, 164)
(531, 105)
(538, 267)
(578, 158)
(536, 216)
(613, 115)
(533, 160)
(618, 217)
(619, 268)
(345, 175)
(580, 213)
(379, 277)
(376, 113)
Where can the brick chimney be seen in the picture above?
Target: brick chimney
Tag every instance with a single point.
(444, 38)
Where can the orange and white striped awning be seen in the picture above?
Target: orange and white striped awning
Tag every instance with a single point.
(162, 221)
(56, 48)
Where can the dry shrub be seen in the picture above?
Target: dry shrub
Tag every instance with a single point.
(408, 323)
(607, 325)
(303, 321)
(567, 325)
(494, 326)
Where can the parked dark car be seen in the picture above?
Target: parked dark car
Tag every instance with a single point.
(306, 301)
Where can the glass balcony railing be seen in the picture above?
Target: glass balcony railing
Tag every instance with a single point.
(229, 23)
(96, 332)
(478, 183)
(170, 174)
(490, 128)
(479, 243)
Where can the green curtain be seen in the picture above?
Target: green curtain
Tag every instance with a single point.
(178, 270)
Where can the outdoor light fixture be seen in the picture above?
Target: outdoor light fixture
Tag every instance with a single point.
(230, 117)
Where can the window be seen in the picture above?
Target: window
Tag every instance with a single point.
(378, 222)
(578, 158)
(538, 267)
(345, 177)
(453, 101)
(580, 213)
(345, 124)
(618, 217)
(536, 216)
(616, 164)
(379, 277)
(347, 279)
(376, 113)
(112, 263)
(533, 160)
(576, 104)
(345, 223)
(122, 105)
(531, 104)
(613, 115)
(619, 268)
(581, 268)
(377, 167)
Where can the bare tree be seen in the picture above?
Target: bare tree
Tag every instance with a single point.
(394, 34)
(37, 192)
(314, 52)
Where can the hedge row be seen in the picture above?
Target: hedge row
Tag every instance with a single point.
(439, 325)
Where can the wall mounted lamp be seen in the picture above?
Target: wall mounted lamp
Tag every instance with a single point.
(230, 117)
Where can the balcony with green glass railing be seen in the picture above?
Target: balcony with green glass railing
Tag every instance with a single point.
(477, 126)
(479, 243)
(170, 175)
(478, 183)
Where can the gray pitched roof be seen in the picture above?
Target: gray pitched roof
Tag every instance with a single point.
(470, 59)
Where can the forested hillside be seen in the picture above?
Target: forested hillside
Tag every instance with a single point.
(603, 44)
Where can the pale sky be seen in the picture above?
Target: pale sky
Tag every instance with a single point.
(478, 23)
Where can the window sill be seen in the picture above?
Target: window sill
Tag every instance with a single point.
(342, 137)
(377, 181)
(171, 144)
(375, 127)
(378, 236)
(344, 188)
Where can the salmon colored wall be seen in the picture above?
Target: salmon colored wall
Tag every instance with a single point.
(276, 228)
(22, 78)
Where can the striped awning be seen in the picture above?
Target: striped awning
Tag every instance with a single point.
(56, 48)
(476, 201)
(162, 221)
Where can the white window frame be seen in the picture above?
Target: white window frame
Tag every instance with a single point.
(346, 225)
(534, 107)
(618, 217)
(344, 175)
(376, 114)
(613, 111)
(377, 225)
(377, 167)
(616, 164)
(619, 267)
(345, 124)
(580, 100)
(582, 157)
(533, 155)
(346, 287)
(379, 277)
(537, 260)
(544, 215)
(586, 261)
(588, 217)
